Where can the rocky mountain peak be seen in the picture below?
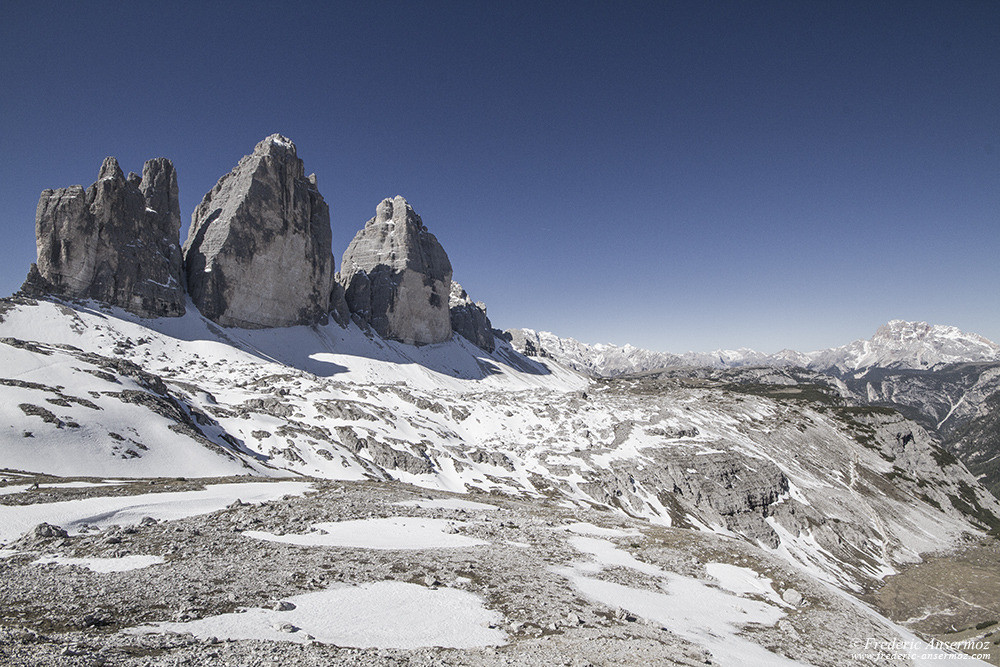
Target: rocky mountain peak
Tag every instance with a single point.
(275, 143)
(111, 170)
(902, 332)
(159, 187)
(398, 211)
(397, 277)
(258, 254)
(903, 344)
(117, 242)
(468, 318)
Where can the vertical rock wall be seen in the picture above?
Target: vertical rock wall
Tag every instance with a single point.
(469, 319)
(397, 277)
(258, 253)
(116, 242)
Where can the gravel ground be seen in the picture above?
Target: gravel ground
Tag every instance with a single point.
(68, 615)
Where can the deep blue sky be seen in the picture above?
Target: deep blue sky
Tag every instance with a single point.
(677, 175)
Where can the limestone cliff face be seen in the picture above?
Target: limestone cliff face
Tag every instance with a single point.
(469, 318)
(397, 277)
(116, 242)
(258, 254)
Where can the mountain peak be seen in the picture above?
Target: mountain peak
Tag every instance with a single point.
(905, 344)
(275, 142)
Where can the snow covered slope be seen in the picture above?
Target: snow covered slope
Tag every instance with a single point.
(849, 493)
(99, 392)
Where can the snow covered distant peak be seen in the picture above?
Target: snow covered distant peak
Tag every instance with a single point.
(606, 360)
(902, 344)
(896, 344)
(601, 359)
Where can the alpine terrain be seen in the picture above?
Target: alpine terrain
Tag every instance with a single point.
(235, 450)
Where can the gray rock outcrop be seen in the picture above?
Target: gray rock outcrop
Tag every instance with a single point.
(258, 254)
(397, 277)
(117, 241)
(469, 318)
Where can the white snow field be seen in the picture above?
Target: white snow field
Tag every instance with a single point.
(388, 533)
(71, 515)
(386, 614)
(21, 488)
(708, 616)
(103, 565)
(688, 607)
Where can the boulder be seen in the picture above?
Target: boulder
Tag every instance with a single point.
(116, 242)
(46, 530)
(469, 319)
(258, 254)
(397, 277)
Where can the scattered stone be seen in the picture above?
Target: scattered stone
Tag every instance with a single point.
(97, 618)
(792, 597)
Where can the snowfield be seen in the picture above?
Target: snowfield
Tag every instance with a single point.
(387, 614)
(101, 512)
(388, 533)
(104, 565)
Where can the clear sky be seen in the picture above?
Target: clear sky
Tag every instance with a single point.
(675, 175)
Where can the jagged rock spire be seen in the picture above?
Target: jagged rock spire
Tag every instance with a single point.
(468, 318)
(116, 242)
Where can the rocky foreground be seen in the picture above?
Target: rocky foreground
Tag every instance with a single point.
(536, 583)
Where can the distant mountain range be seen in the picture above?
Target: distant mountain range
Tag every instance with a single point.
(946, 379)
(898, 344)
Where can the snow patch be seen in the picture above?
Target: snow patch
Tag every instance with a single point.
(15, 520)
(386, 614)
(103, 565)
(688, 607)
(743, 581)
(387, 533)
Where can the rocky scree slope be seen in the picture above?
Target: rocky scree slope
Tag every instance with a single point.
(559, 584)
(958, 403)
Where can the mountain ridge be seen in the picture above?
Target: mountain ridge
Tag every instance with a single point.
(896, 344)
